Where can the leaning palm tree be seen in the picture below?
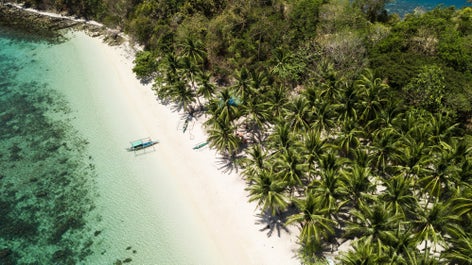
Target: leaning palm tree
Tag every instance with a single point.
(269, 191)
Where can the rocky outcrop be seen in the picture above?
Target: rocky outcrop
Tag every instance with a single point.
(47, 24)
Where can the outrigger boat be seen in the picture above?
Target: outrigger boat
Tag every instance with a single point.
(141, 144)
(200, 145)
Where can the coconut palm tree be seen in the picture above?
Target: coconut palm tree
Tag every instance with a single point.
(399, 195)
(348, 138)
(364, 253)
(281, 138)
(358, 183)
(460, 251)
(268, 190)
(243, 84)
(329, 191)
(315, 226)
(324, 116)
(312, 147)
(384, 147)
(222, 137)
(182, 94)
(433, 223)
(256, 161)
(205, 88)
(277, 99)
(224, 108)
(255, 111)
(193, 49)
(372, 95)
(375, 222)
(298, 114)
(288, 165)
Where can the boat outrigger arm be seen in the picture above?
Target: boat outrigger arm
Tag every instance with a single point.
(141, 144)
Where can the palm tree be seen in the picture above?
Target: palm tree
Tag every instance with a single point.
(243, 84)
(298, 113)
(269, 192)
(289, 166)
(372, 94)
(444, 174)
(460, 251)
(255, 110)
(255, 162)
(398, 194)
(316, 227)
(222, 137)
(376, 223)
(463, 202)
(329, 191)
(277, 100)
(358, 185)
(281, 138)
(224, 107)
(384, 145)
(312, 148)
(364, 253)
(348, 139)
(324, 115)
(206, 88)
(182, 94)
(194, 50)
(433, 223)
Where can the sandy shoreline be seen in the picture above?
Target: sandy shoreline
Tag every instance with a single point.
(217, 200)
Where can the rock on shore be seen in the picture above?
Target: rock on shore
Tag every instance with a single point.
(46, 25)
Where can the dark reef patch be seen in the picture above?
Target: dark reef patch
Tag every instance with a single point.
(46, 180)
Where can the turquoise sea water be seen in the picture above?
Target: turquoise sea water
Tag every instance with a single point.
(46, 178)
(69, 192)
(407, 6)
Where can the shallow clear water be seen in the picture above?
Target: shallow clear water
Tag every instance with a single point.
(70, 193)
(407, 6)
(46, 180)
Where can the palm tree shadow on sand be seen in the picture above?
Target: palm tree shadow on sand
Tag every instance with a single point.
(274, 223)
(229, 162)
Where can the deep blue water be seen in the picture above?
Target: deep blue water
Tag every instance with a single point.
(407, 6)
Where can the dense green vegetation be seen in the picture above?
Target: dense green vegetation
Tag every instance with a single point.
(348, 122)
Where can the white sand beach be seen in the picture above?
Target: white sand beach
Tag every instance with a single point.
(172, 189)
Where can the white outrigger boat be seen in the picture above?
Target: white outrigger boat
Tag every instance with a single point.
(141, 144)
